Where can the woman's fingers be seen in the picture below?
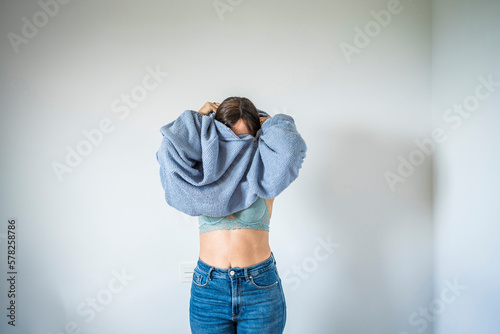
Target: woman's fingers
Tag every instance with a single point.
(208, 107)
(215, 105)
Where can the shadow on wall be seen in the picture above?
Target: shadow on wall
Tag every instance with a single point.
(385, 228)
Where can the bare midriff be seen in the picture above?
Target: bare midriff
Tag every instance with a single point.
(235, 248)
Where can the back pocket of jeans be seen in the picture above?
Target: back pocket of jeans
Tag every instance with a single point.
(200, 278)
(266, 279)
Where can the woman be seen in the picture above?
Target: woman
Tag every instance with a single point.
(236, 287)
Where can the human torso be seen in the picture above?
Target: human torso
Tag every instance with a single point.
(235, 248)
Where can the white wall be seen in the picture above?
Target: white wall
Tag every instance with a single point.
(466, 47)
(359, 116)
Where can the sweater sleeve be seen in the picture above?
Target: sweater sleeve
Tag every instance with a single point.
(279, 157)
(181, 138)
(186, 143)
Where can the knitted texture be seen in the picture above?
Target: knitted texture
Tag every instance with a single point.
(206, 169)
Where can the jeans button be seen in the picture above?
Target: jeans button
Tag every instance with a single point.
(231, 272)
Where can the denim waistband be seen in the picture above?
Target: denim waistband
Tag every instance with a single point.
(237, 272)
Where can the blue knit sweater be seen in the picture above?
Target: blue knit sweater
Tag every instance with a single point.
(206, 169)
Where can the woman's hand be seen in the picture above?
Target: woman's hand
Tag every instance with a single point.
(208, 107)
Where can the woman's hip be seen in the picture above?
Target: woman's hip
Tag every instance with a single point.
(238, 294)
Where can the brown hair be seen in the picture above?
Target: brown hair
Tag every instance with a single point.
(234, 108)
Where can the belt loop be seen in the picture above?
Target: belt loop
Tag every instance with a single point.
(210, 273)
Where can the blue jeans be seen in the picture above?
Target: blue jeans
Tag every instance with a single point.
(237, 300)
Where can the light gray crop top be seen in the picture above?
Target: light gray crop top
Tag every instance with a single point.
(256, 217)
